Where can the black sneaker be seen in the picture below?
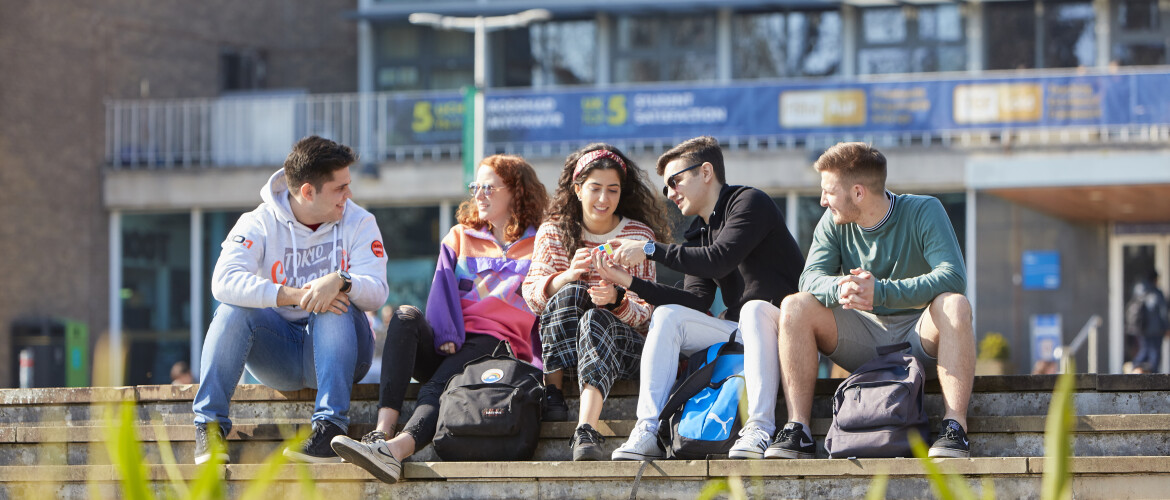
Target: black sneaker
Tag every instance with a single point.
(951, 442)
(374, 436)
(316, 449)
(210, 443)
(553, 407)
(792, 442)
(586, 444)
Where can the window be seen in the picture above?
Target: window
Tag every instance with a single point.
(241, 69)
(563, 53)
(792, 44)
(1010, 31)
(1141, 34)
(652, 49)
(911, 40)
(411, 259)
(419, 58)
(156, 293)
(1070, 35)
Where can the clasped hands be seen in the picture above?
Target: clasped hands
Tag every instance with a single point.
(855, 291)
(611, 274)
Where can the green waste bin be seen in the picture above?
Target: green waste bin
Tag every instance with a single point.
(76, 354)
(50, 352)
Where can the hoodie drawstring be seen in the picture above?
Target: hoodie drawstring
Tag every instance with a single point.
(293, 236)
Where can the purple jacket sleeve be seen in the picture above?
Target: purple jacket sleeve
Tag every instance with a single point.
(444, 310)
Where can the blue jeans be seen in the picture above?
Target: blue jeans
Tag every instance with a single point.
(328, 352)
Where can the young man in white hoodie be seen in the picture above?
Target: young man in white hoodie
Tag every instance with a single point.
(293, 279)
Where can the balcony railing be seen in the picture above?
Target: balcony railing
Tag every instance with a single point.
(1021, 109)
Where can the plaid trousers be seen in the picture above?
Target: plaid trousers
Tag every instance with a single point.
(591, 342)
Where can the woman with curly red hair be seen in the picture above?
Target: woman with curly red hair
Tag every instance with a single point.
(587, 325)
(473, 306)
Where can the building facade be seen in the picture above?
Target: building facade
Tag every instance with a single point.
(1039, 124)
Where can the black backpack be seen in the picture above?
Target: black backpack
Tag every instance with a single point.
(877, 407)
(490, 411)
(702, 416)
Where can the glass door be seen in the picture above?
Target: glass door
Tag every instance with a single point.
(1134, 259)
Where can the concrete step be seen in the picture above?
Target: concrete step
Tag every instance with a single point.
(1013, 436)
(1096, 477)
(1017, 395)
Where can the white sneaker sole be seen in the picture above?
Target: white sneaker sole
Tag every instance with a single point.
(745, 454)
(359, 454)
(310, 459)
(202, 459)
(948, 453)
(630, 455)
(789, 454)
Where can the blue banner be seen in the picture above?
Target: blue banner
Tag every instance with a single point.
(791, 109)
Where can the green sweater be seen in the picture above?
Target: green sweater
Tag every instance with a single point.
(913, 255)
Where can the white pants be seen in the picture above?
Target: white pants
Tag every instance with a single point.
(678, 330)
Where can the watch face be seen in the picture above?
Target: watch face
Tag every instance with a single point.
(648, 248)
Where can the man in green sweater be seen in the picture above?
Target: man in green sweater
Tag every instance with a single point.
(883, 269)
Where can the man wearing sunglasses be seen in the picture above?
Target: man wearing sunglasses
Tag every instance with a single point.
(738, 245)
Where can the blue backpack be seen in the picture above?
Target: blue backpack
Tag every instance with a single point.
(702, 417)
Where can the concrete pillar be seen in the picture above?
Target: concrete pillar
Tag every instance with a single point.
(791, 213)
(850, 27)
(975, 44)
(1104, 30)
(604, 49)
(723, 45)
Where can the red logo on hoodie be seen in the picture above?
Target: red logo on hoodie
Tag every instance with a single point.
(376, 246)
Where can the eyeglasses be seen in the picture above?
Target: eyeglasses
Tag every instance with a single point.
(487, 189)
(672, 181)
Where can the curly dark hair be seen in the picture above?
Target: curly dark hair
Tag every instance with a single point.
(529, 196)
(637, 201)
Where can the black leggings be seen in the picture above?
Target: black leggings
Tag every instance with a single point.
(410, 352)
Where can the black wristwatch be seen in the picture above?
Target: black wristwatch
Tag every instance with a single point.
(346, 281)
(648, 249)
(621, 294)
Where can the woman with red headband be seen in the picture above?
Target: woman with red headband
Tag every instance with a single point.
(587, 325)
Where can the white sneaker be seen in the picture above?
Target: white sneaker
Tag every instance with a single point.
(751, 443)
(374, 457)
(642, 445)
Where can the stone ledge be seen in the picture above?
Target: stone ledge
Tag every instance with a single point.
(279, 431)
(620, 471)
(363, 392)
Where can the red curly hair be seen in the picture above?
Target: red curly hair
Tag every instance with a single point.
(529, 197)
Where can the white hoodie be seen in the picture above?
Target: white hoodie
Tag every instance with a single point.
(257, 255)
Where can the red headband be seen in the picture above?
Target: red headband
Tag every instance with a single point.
(593, 156)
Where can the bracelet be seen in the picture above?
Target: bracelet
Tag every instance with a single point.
(621, 294)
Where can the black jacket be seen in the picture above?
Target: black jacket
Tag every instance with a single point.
(746, 251)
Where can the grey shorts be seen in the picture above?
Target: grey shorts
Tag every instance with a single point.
(860, 333)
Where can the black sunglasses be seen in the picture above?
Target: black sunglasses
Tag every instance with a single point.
(671, 181)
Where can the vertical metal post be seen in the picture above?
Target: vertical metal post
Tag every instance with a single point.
(480, 86)
(115, 291)
(197, 326)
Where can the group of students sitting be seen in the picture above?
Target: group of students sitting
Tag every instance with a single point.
(580, 272)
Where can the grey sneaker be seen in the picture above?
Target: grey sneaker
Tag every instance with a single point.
(374, 457)
(751, 443)
(210, 443)
(642, 445)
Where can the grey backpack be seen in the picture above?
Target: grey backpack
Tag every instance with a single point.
(877, 407)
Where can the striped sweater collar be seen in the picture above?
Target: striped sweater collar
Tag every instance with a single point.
(893, 199)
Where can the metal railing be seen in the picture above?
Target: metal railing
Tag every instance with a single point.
(1088, 334)
(259, 129)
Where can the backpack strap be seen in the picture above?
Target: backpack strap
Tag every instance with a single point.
(886, 349)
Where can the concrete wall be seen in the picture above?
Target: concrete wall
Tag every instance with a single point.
(1005, 230)
(60, 61)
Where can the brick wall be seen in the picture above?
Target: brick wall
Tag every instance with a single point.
(60, 61)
